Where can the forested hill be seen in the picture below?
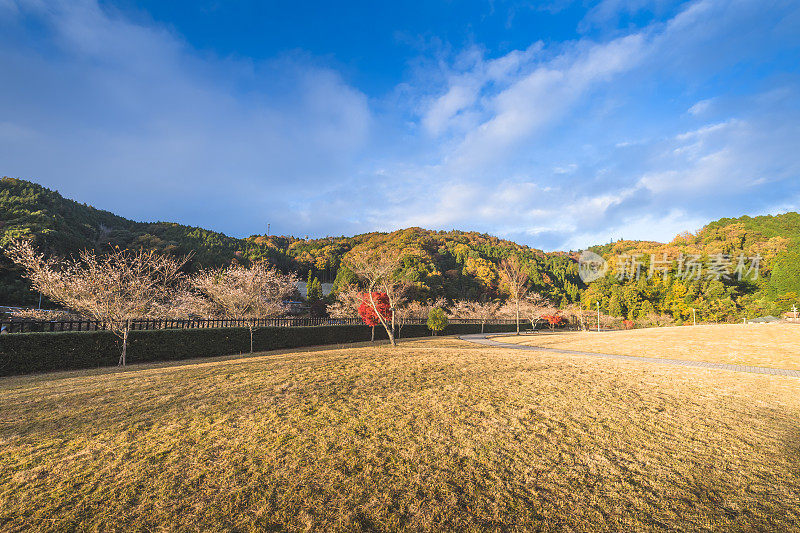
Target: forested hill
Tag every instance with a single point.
(775, 240)
(452, 264)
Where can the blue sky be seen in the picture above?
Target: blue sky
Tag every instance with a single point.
(557, 124)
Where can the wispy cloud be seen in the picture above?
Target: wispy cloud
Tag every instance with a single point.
(519, 122)
(129, 117)
(638, 128)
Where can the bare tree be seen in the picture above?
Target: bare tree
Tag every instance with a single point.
(114, 288)
(513, 275)
(577, 312)
(348, 298)
(468, 309)
(245, 293)
(534, 306)
(419, 310)
(187, 303)
(43, 314)
(415, 310)
(376, 268)
(531, 308)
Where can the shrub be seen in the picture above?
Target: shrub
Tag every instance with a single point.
(26, 353)
(437, 320)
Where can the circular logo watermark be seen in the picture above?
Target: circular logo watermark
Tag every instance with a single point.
(591, 266)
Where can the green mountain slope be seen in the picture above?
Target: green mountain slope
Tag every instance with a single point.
(774, 240)
(452, 264)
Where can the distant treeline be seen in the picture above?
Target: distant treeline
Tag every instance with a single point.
(455, 265)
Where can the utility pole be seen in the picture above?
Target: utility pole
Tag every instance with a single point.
(598, 317)
(267, 229)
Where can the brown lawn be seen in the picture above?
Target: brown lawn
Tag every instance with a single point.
(768, 345)
(434, 435)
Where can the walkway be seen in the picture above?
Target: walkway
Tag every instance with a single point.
(482, 338)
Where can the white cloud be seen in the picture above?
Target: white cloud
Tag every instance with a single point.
(646, 227)
(559, 145)
(543, 96)
(122, 111)
(608, 13)
(700, 107)
(566, 169)
(466, 81)
(682, 176)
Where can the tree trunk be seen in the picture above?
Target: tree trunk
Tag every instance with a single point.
(482, 323)
(389, 330)
(373, 333)
(392, 336)
(517, 300)
(123, 358)
(251, 337)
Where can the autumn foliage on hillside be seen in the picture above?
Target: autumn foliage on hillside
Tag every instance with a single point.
(453, 265)
(715, 296)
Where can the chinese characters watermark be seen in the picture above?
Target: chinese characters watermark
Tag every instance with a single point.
(689, 267)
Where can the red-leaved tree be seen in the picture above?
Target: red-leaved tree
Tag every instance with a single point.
(367, 311)
(554, 320)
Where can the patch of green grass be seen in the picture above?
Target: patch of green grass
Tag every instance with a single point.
(436, 434)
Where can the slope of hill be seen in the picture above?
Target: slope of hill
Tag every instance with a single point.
(771, 288)
(452, 264)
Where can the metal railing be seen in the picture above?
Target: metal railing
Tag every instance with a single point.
(36, 326)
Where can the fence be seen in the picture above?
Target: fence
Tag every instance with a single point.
(40, 326)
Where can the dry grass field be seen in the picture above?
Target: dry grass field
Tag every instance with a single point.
(768, 345)
(437, 434)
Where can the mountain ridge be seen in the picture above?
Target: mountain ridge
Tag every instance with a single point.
(452, 264)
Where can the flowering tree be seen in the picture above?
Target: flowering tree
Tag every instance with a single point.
(482, 311)
(43, 314)
(113, 289)
(414, 310)
(374, 309)
(515, 279)
(532, 308)
(578, 315)
(251, 293)
(348, 299)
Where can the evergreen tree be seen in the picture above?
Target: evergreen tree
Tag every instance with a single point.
(614, 305)
(316, 290)
(437, 320)
(309, 285)
(313, 288)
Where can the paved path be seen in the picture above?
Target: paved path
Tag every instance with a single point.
(481, 338)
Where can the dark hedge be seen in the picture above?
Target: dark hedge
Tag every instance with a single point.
(26, 353)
